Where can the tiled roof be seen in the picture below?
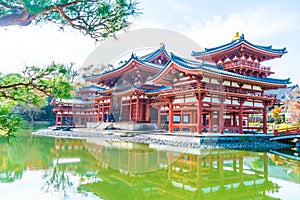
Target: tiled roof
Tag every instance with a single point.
(191, 64)
(96, 96)
(92, 88)
(73, 101)
(133, 57)
(237, 42)
(150, 56)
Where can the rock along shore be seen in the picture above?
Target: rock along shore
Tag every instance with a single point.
(202, 142)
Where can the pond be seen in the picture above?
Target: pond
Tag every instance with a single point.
(34, 167)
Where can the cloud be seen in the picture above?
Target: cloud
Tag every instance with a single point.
(179, 6)
(256, 23)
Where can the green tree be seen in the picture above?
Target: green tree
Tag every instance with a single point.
(30, 89)
(97, 18)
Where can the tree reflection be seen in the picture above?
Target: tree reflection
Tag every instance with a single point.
(58, 181)
(23, 153)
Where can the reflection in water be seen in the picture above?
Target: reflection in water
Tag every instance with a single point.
(180, 175)
(289, 162)
(118, 170)
(57, 181)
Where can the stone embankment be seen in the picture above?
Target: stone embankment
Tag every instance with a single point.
(255, 143)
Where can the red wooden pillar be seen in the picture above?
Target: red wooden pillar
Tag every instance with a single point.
(85, 117)
(265, 119)
(191, 120)
(61, 116)
(110, 105)
(130, 108)
(211, 117)
(56, 118)
(68, 117)
(221, 114)
(241, 102)
(89, 115)
(137, 113)
(181, 118)
(171, 115)
(204, 122)
(199, 112)
(74, 116)
(148, 110)
(98, 112)
(234, 121)
(265, 127)
(158, 118)
(102, 105)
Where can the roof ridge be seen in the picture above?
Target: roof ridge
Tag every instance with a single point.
(236, 42)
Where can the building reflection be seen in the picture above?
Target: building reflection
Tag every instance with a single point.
(135, 171)
(288, 162)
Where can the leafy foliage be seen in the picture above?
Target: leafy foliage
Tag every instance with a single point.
(276, 113)
(9, 121)
(30, 89)
(97, 18)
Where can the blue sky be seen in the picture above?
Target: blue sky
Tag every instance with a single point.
(209, 23)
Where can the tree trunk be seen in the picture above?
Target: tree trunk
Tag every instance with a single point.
(21, 18)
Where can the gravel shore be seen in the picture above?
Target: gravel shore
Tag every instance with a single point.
(257, 144)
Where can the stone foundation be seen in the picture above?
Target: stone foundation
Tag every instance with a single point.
(123, 126)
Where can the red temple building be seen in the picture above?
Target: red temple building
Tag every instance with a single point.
(215, 92)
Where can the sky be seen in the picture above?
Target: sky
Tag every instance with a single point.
(209, 23)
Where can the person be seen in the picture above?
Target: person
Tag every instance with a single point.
(111, 117)
(104, 117)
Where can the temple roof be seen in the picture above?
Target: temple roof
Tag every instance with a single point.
(195, 67)
(70, 101)
(129, 91)
(241, 42)
(132, 58)
(146, 59)
(91, 88)
(97, 96)
(151, 56)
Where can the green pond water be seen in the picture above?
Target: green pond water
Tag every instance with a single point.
(34, 168)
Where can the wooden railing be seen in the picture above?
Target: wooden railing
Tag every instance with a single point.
(287, 131)
(247, 64)
(216, 90)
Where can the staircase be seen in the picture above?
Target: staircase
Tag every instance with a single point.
(103, 125)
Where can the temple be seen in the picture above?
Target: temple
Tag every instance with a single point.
(215, 92)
